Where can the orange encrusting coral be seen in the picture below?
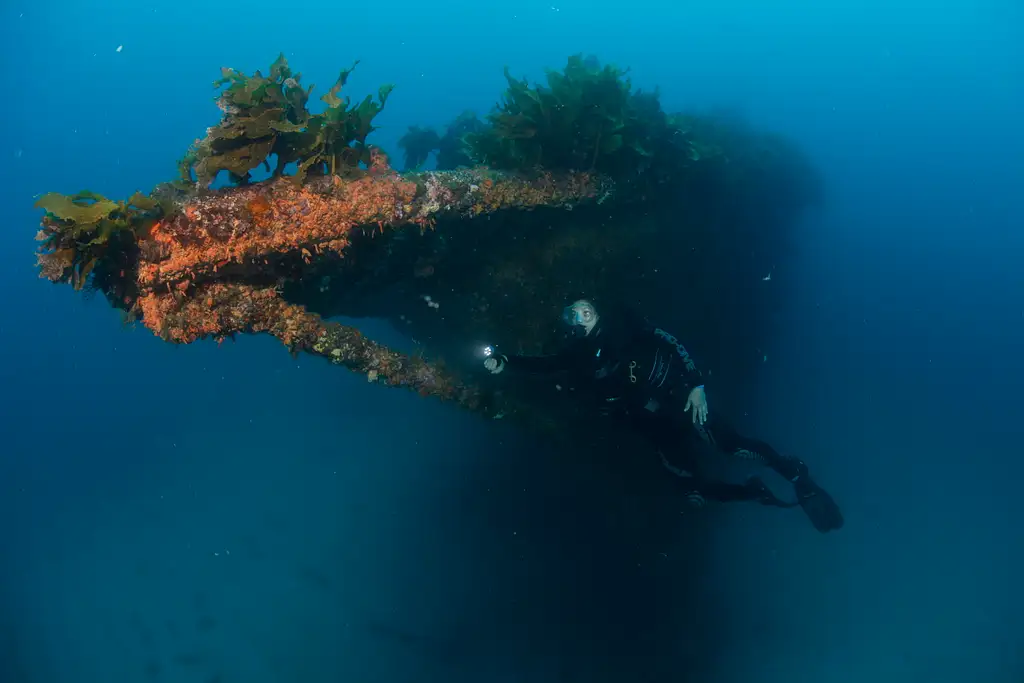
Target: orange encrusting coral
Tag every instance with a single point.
(223, 310)
(257, 225)
(266, 221)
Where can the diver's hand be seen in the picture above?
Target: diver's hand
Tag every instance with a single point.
(698, 401)
(494, 365)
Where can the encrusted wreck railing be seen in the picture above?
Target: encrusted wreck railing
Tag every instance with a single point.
(223, 310)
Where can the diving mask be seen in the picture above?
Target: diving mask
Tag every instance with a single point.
(581, 316)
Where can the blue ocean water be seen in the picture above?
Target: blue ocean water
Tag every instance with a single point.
(225, 514)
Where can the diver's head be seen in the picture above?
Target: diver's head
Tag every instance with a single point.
(581, 317)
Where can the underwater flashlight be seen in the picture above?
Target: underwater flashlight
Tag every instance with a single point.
(487, 351)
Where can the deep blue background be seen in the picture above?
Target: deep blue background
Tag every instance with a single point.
(195, 512)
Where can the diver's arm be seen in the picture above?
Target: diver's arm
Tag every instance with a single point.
(692, 377)
(688, 381)
(670, 346)
(532, 365)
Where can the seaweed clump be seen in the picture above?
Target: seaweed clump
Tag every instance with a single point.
(267, 116)
(85, 230)
(452, 152)
(587, 118)
(451, 149)
(417, 144)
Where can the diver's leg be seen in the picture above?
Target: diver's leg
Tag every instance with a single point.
(698, 490)
(752, 490)
(677, 447)
(721, 434)
(820, 507)
(674, 445)
(692, 486)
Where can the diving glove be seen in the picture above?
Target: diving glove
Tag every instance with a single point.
(495, 364)
(818, 505)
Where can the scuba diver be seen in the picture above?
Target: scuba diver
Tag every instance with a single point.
(642, 374)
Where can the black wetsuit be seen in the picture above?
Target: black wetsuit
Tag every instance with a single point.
(643, 375)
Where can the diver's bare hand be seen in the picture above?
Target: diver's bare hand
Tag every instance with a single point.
(698, 401)
(494, 365)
